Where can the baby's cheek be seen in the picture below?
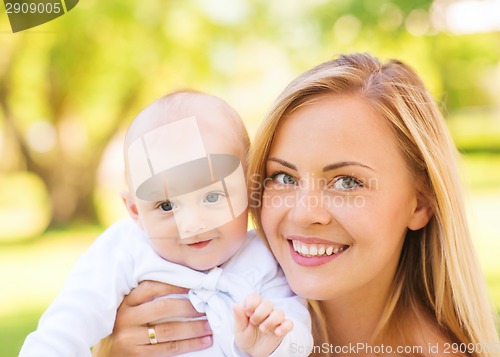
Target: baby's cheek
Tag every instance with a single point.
(169, 250)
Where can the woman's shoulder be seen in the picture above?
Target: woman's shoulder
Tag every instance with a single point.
(435, 342)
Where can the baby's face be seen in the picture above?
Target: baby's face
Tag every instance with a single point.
(178, 230)
(190, 192)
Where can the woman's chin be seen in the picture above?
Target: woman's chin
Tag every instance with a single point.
(310, 291)
(308, 284)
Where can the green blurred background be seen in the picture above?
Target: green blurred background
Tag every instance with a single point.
(69, 88)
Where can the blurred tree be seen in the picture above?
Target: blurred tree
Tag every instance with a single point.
(65, 91)
(67, 87)
(64, 94)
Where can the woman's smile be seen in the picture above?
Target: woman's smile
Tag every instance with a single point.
(310, 251)
(313, 254)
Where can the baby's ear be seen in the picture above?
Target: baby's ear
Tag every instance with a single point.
(129, 201)
(422, 213)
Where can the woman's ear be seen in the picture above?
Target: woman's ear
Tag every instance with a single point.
(129, 201)
(422, 213)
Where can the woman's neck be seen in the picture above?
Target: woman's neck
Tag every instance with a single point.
(354, 317)
(350, 321)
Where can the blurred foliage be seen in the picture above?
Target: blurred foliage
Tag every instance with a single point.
(476, 130)
(67, 88)
(24, 206)
(481, 172)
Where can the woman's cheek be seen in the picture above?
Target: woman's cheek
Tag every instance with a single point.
(270, 214)
(276, 202)
(267, 211)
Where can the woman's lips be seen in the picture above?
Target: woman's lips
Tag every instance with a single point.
(314, 251)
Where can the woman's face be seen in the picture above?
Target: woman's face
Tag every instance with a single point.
(338, 199)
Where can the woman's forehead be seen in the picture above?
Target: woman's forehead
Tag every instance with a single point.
(345, 128)
(332, 116)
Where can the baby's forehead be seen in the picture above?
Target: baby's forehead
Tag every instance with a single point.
(220, 128)
(173, 154)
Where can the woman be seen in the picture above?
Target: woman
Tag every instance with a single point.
(355, 188)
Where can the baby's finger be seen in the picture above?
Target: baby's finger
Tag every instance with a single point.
(284, 328)
(251, 302)
(240, 318)
(272, 322)
(261, 312)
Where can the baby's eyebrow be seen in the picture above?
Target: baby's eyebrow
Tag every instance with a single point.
(159, 196)
(283, 162)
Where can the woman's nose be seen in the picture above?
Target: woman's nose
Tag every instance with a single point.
(310, 207)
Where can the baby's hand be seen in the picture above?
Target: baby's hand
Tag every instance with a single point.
(259, 328)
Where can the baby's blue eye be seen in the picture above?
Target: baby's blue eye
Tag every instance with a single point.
(284, 179)
(213, 197)
(346, 183)
(167, 206)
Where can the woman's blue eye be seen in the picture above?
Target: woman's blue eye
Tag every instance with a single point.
(346, 183)
(167, 206)
(284, 179)
(213, 197)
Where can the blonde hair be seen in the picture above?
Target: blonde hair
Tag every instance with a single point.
(438, 271)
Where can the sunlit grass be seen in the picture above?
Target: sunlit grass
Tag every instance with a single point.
(32, 274)
(35, 270)
(14, 327)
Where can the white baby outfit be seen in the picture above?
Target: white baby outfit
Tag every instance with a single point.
(122, 256)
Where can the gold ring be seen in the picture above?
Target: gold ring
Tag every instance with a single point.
(152, 335)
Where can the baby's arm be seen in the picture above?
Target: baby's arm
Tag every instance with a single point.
(259, 326)
(84, 311)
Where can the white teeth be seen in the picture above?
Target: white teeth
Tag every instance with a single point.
(311, 250)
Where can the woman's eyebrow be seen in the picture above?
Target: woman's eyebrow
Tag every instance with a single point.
(326, 168)
(345, 163)
(283, 162)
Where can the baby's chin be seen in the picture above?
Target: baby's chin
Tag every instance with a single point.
(202, 264)
(205, 265)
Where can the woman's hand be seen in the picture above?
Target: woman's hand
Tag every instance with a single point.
(137, 314)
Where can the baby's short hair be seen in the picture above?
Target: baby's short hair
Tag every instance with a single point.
(182, 104)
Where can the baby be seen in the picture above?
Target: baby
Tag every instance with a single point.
(185, 158)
